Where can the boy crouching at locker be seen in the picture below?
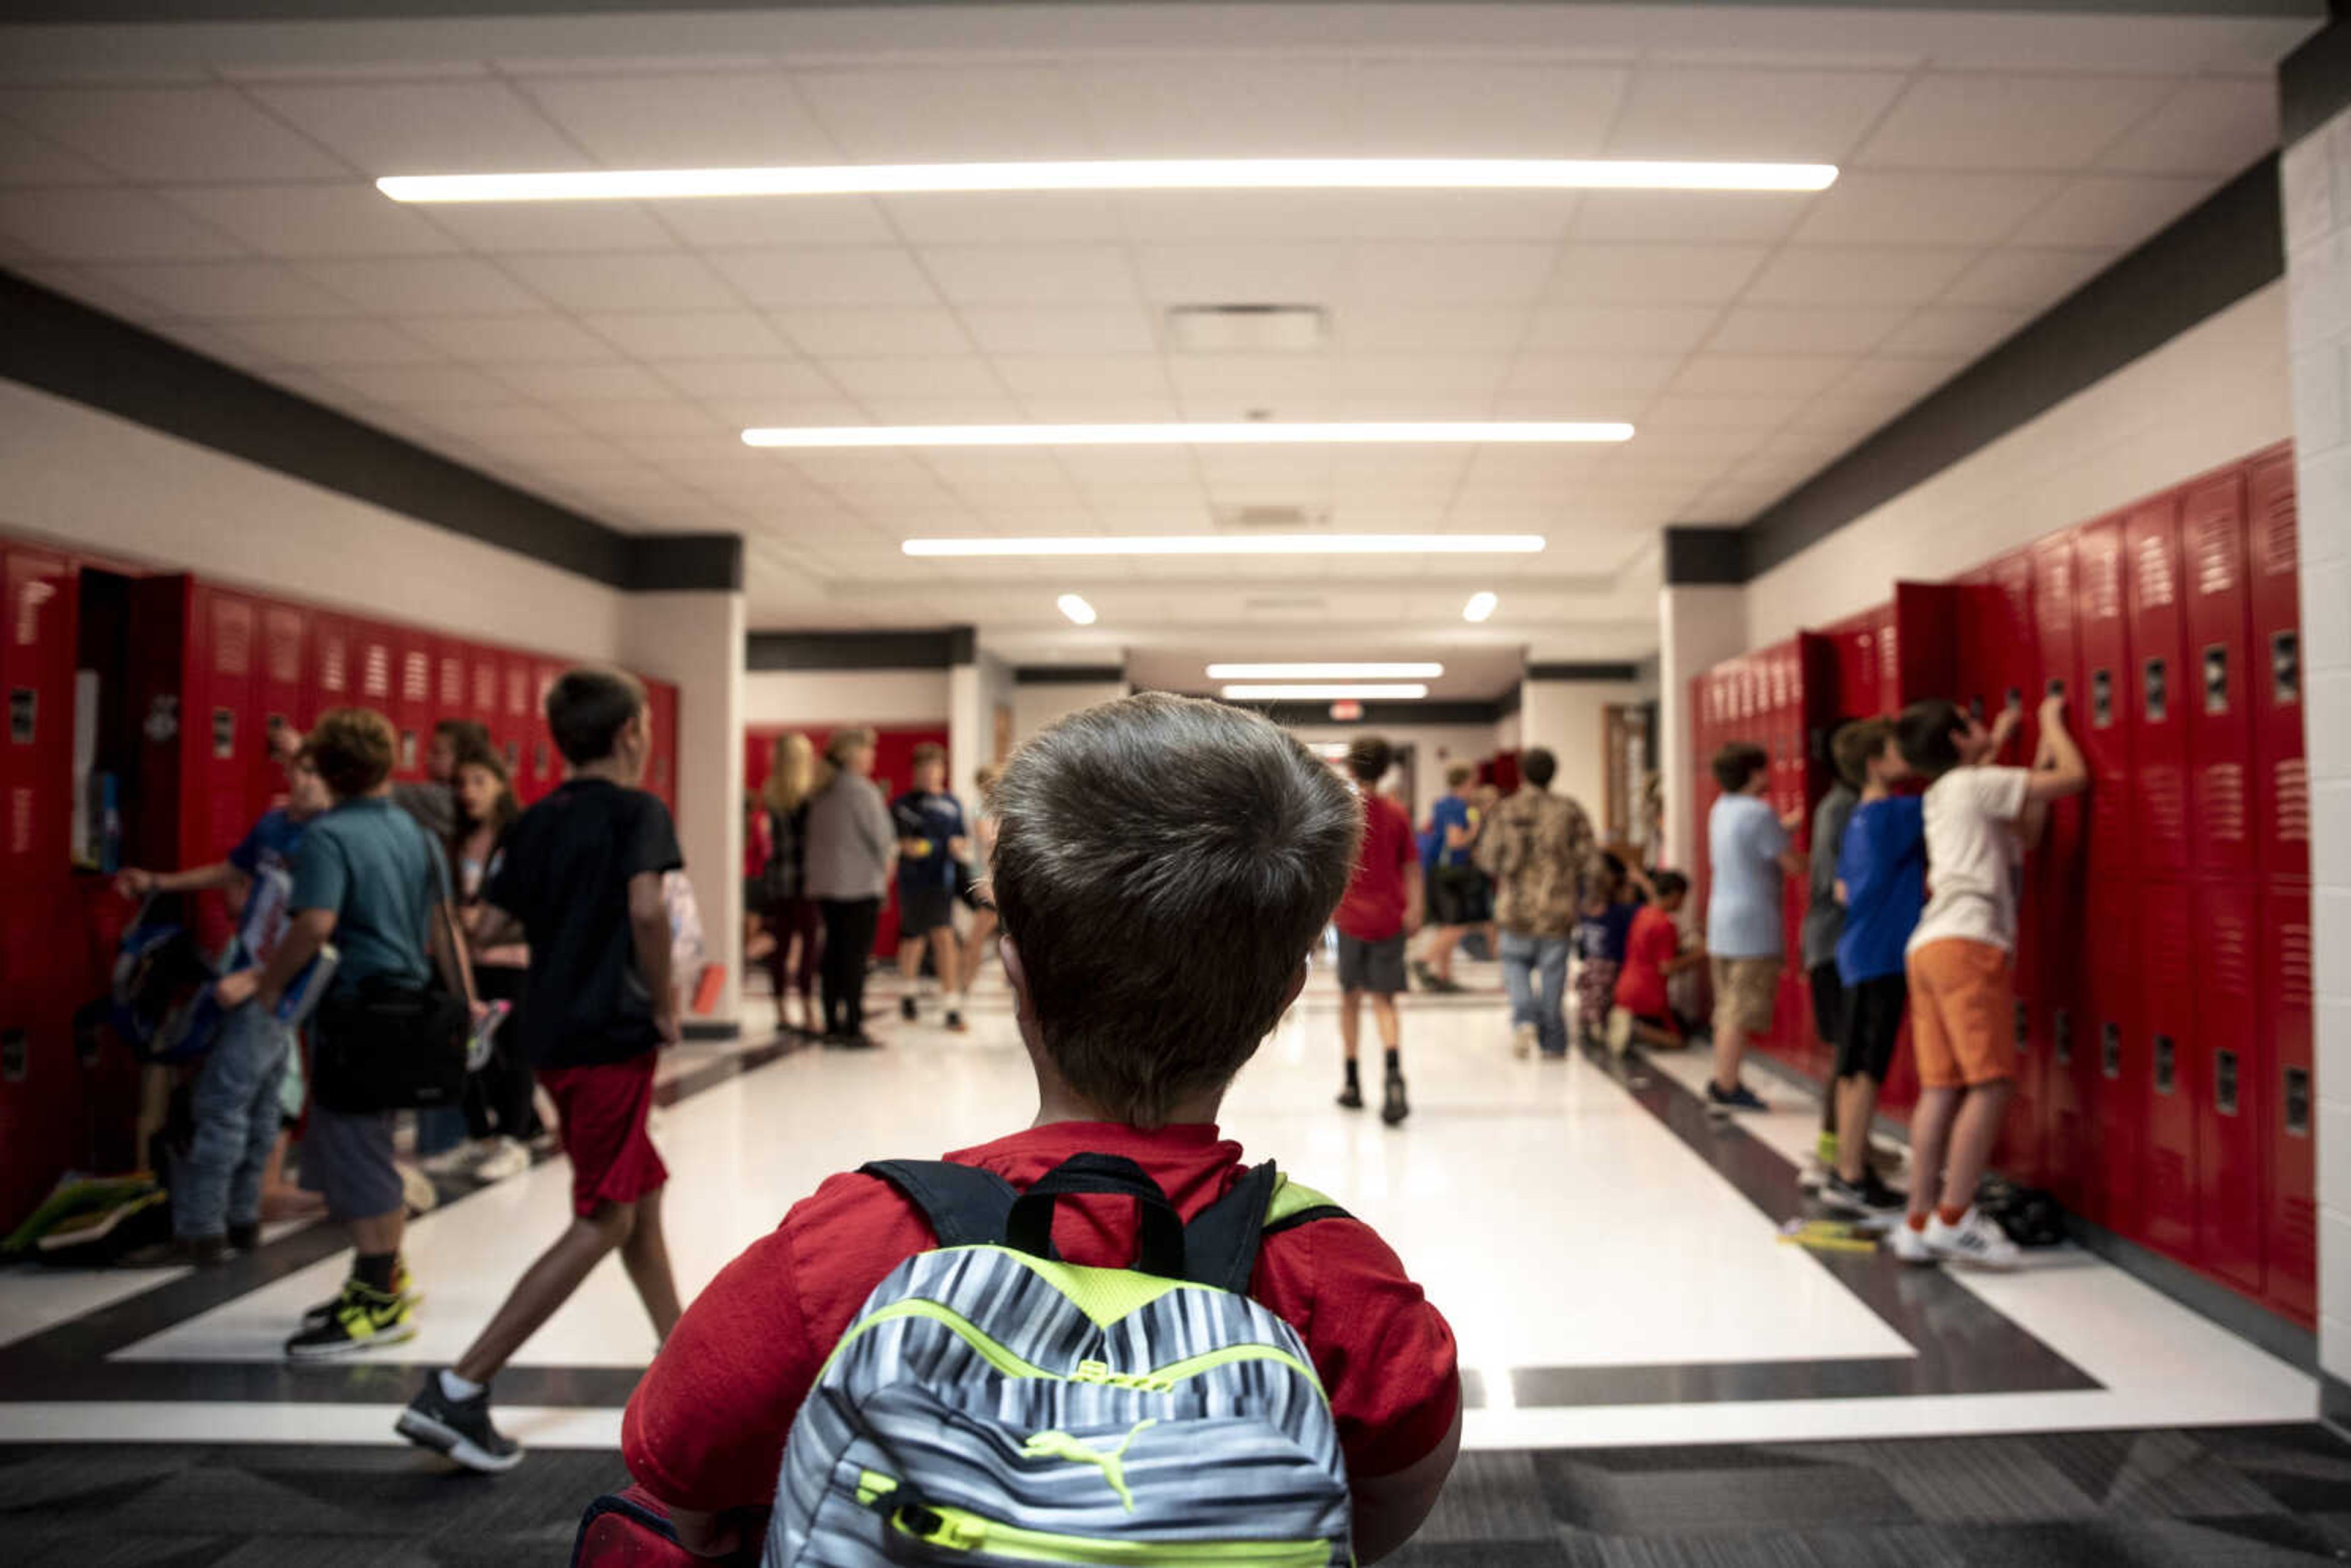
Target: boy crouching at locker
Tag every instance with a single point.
(1163, 867)
(1962, 958)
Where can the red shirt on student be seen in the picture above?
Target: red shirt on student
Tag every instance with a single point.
(705, 1429)
(1372, 910)
(1641, 983)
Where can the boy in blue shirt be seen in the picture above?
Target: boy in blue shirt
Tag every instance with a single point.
(1453, 880)
(1751, 855)
(1881, 880)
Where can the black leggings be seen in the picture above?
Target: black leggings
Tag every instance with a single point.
(788, 918)
(849, 927)
(498, 1098)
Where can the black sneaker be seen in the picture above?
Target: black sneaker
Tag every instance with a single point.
(360, 1319)
(1739, 1099)
(1350, 1098)
(1423, 974)
(245, 1238)
(1393, 1108)
(850, 1040)
(403, 1285)
(1869, 1197)
(906, 1008)
(180, 1252)
(460, 1428)
(955, 1021)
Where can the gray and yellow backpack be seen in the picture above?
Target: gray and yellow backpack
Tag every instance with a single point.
(994, 1404)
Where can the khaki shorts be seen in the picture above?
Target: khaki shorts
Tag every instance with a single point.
(1962, 1011)
(1746, 995)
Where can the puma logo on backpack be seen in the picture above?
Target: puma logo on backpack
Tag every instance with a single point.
(992, 1403)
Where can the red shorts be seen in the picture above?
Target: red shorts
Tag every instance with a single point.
(604, 1109)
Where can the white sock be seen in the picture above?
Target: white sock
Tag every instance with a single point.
(457, 1387)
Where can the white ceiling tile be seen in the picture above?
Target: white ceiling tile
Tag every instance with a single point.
(2215, 127)
(1857, 275)
(647, 416)
(570, 383)
(1184, 216)
(2113, 211)
(780, 377)
(692, 119)
(1655, 274)
(1007, 217)
(218, 342)
(425, 127)
(1354, 400)
(507, 427)
(985, 469)
(964, 377)
(640, 282)
(1243, 107)
(842, 275)
(1058, 329)
(1481, 274)
(1961, 329)
(1980, 121)
(860, 332)
(1107, 375)
(1384, 375)
(538, 338)
(225, 290)
(424, 285)
(1240, 274)
(1704, 216)
(2026, 278)
(755, 224)
(1804, 329)
(1471, 108)
(738, 414)
(29, 160)
(1792, 374)
(965, 113)
(1030, 275)
(1693, 112)
(1618, 376)
(1924, 209)
(170, 134)
(1244, 381)
(1059, 407)
(331, 343)
(314, 220)
(107, 223)
(1306, 469)
(688, 334)
(1404, 328)
(1494, 472)
(1709, 410)
(1655, 328)
(422, 386)
(520, 228)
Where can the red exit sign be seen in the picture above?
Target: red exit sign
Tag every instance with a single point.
(1346, 712)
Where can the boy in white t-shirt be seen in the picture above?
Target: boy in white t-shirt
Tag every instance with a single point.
(1961, 959)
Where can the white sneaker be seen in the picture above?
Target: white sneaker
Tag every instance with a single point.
(1909, 1245)
(1522, 1040)
(1973, 1240)
(508, 1158)
(1620, 1030)
(1813, 1174)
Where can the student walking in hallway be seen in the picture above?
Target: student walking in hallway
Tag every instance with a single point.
(1377, 917)
(1541, 852)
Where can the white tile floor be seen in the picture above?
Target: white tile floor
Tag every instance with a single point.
(1555, 1221)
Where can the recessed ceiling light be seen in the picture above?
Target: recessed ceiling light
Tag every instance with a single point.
(1322, 691)
(1132, 174)
(1386, 433)
(1076, 608)
(1324, 672)
(1480, 606)
(1235, 544)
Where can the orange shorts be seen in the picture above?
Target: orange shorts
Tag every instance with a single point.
(1962, 1007)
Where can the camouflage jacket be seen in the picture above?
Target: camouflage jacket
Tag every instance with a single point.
(1541, 852)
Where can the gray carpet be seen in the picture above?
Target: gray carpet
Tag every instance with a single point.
(2220, 1498)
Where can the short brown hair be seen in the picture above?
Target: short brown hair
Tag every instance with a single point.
(1853, 744)
(1163, 866)
(927, 751)
(1369, 757)
(1738, 763)
(588, 708)
(352, 749)
(1457, 775)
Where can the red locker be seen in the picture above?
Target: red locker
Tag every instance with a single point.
(331, 666)
(2158, 693)
(2281, 780)
(661, 723)
(2166, 1055)
(414, 654)
(546, 761)
(1920, 650)
(451, 698)
(518, 723)
(2111, 1192)
(284, 691)
(2290, 1237)
(2230, 1064)
(2100, 713)
(2218, 673)
(375, 666)
(483, 702)
(221, 740)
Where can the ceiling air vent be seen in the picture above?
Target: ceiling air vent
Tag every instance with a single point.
(1247, 329)
(1273, 518)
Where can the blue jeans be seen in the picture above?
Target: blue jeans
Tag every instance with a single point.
(1534, 972)
(235, 1101)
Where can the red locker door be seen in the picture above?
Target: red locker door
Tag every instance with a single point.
(37, 657)
(519, 725)
(332, 667)
(375, 667)
(483, 701)
(546, 761)
(2280, 779)
(2156, 696)
(221, 739)
(2055, 875)
(2230, 1064)
(2100, 714)
(2166, 1049)
(1920, 651)
(2219, 674)
(284, 688)
(414, 654)
(2108, 1032)
(2290, 1237)
(661, 722)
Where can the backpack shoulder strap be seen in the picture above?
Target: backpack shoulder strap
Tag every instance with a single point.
(967, 1206)
(1220, 1244)
(1295, 1204)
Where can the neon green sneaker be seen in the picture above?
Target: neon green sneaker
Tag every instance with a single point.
(360, 1318)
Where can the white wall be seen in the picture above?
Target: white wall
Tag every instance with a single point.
(1698, 628)
(2317, 180)
(2210, 396)
(1507, 731)
(1434, 747)
(115, 487)
(1565, 716)
(1037, 704)
(828, 698)
(974, 690)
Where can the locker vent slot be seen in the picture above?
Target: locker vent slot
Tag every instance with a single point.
(2157, 678)
(2297, 1102)
(2224, 1083)
(2167, 1064)
(24, 713)
(514, 758)
(538, 757)
(2056, 688)
(2110, 1050)
(2024, 1030)
(16, 1055)
(407, 750)
(224, 733)
(2060, 1030)
(2285, 667)
(2102, 699)
(2216, 679)
(2016, 698)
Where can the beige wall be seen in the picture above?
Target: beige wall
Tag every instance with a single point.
(828, 698)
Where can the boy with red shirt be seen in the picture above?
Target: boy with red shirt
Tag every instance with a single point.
(1653, 954)
(1381, 910)
(1163, 867)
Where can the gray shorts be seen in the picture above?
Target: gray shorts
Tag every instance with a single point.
(346, 1160)
(1374, 967)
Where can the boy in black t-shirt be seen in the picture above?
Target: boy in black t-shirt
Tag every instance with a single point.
(580, 878)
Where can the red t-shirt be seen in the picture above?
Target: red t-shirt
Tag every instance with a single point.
(1641, 983)
(705, 1429)
(1372, 910)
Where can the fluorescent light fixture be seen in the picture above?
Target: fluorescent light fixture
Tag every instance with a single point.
(1387, 432)
(1235, 544)
(1481, 605)
(1324, 672)
(1118, 175)
(1326, 691)
(1076, 608)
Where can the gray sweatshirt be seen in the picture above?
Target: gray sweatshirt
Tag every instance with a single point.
(851, 844)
